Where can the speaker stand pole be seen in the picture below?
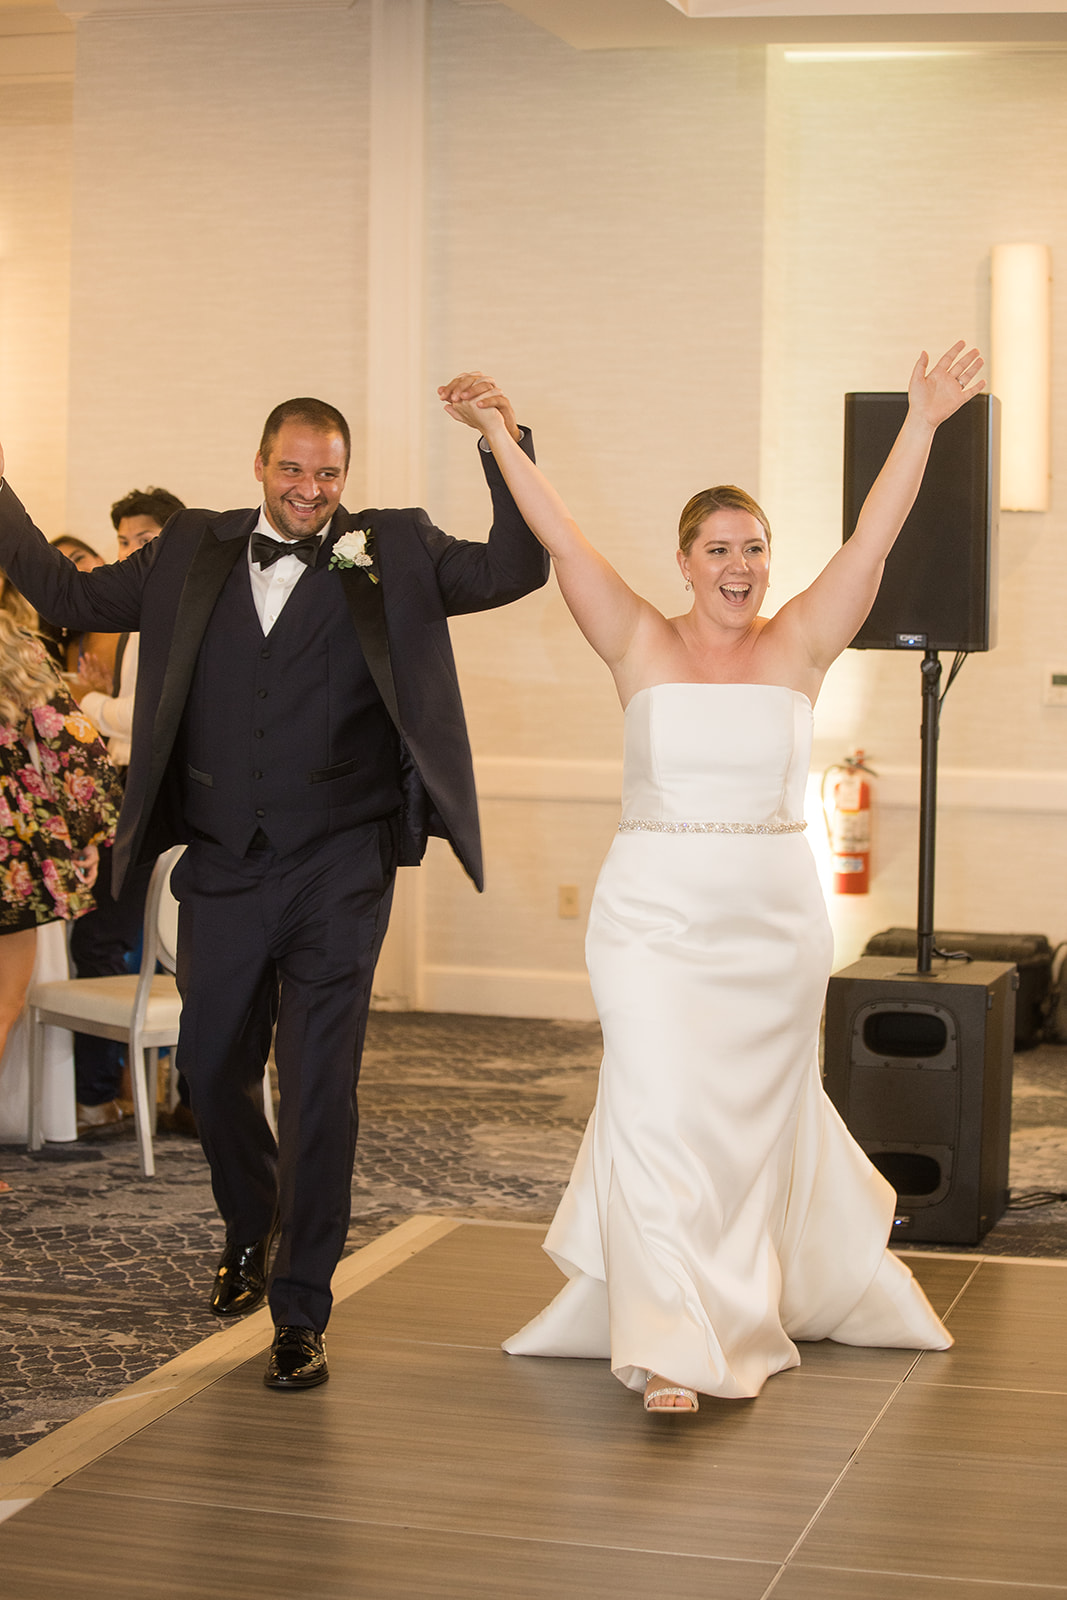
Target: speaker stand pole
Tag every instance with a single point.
(924, 926)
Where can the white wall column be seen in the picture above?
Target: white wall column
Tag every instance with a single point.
(396, 377)
(396, 235)
(36, 92)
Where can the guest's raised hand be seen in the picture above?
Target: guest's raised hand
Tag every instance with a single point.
(936, 393)
(92, 674)
(471, 395)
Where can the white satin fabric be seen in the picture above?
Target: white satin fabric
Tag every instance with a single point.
(718, 1209)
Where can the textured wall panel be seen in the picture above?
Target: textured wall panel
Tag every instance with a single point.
(35, 167)
(219, 244)
(888, 183)
(595, 238)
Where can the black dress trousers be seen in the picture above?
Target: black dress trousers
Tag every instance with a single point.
(293, 938)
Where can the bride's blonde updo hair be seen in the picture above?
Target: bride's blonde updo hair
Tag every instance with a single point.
(724, 497)
(27, 678)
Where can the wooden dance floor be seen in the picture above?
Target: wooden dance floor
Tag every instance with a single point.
(433, 1465)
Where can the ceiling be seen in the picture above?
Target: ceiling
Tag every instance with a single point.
(637, 24)
(793, 8)
(678, 24)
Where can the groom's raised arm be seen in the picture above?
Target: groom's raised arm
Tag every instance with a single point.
(107, 599)
(474, 576)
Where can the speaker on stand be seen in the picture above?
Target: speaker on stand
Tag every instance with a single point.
(939, 588)
(918, 1059)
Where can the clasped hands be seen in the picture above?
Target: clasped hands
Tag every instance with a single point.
(473, 398)
(86, 864)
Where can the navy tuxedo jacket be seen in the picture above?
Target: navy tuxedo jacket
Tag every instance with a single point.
(166, 592)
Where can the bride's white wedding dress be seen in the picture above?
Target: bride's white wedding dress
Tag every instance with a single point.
(718, 1209)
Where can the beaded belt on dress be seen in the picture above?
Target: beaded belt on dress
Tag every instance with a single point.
(639, 825)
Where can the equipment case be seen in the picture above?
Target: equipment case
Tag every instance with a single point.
(1031, 953)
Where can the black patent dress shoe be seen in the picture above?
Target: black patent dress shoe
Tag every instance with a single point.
(241, 1281)
(297, 1359)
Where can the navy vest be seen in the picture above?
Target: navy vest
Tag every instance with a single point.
(285, 732)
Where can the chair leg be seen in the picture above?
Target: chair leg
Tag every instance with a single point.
(152, 1074)
(141, 1113)
(34, 1077)
(173, 1093)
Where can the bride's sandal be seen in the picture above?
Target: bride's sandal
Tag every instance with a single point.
(666, 1390)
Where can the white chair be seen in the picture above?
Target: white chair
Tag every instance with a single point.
(142, 1010)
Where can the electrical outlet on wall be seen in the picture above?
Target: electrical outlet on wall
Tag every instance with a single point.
(1054, 692)
(568, 900)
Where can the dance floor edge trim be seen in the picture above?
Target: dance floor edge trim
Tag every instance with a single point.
(80, 1442)
(30, 1473)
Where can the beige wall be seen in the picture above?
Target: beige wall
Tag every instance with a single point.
(35, 191)
(596, 225)
(889, 181)
(677, 261)
(219, 254)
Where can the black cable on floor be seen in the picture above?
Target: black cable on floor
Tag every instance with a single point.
(1030, 1199)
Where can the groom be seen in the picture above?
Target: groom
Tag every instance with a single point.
(298, 724)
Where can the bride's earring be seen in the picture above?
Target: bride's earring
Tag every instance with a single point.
(688, 585)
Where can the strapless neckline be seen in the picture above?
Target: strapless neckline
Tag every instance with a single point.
(773, 688)
(716, 752)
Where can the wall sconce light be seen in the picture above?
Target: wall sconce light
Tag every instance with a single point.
(1021, 350)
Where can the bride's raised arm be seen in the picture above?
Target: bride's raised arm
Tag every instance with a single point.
(609, 613)
(827, 616)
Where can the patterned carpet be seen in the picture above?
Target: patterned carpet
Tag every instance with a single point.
(105, 1274)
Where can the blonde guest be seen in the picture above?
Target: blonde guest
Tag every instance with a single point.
(58, 802)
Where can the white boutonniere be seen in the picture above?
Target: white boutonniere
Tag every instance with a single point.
(353, 550)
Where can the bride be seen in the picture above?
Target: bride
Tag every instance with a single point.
(718, 1209)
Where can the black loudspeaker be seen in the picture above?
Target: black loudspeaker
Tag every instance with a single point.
(939, 590)
(919, 1066)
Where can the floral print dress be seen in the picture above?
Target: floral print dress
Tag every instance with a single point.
(49, 810)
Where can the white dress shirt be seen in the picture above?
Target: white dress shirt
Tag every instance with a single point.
(272, 586)
(113, 714)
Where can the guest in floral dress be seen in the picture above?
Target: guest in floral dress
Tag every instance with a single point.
(59, 800)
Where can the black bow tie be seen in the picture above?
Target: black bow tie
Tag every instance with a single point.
(265, 551)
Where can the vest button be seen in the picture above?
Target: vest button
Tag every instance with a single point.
(257, 733)
(260, 811)
(264, 655)
(257, 774)
(261, 694)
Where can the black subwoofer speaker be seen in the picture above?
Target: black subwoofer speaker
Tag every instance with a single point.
(919, 1066)
(939, 590)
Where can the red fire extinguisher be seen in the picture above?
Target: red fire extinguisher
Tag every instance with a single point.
(848, 822)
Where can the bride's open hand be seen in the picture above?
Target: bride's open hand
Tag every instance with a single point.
(473, 398)
(935, 394)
